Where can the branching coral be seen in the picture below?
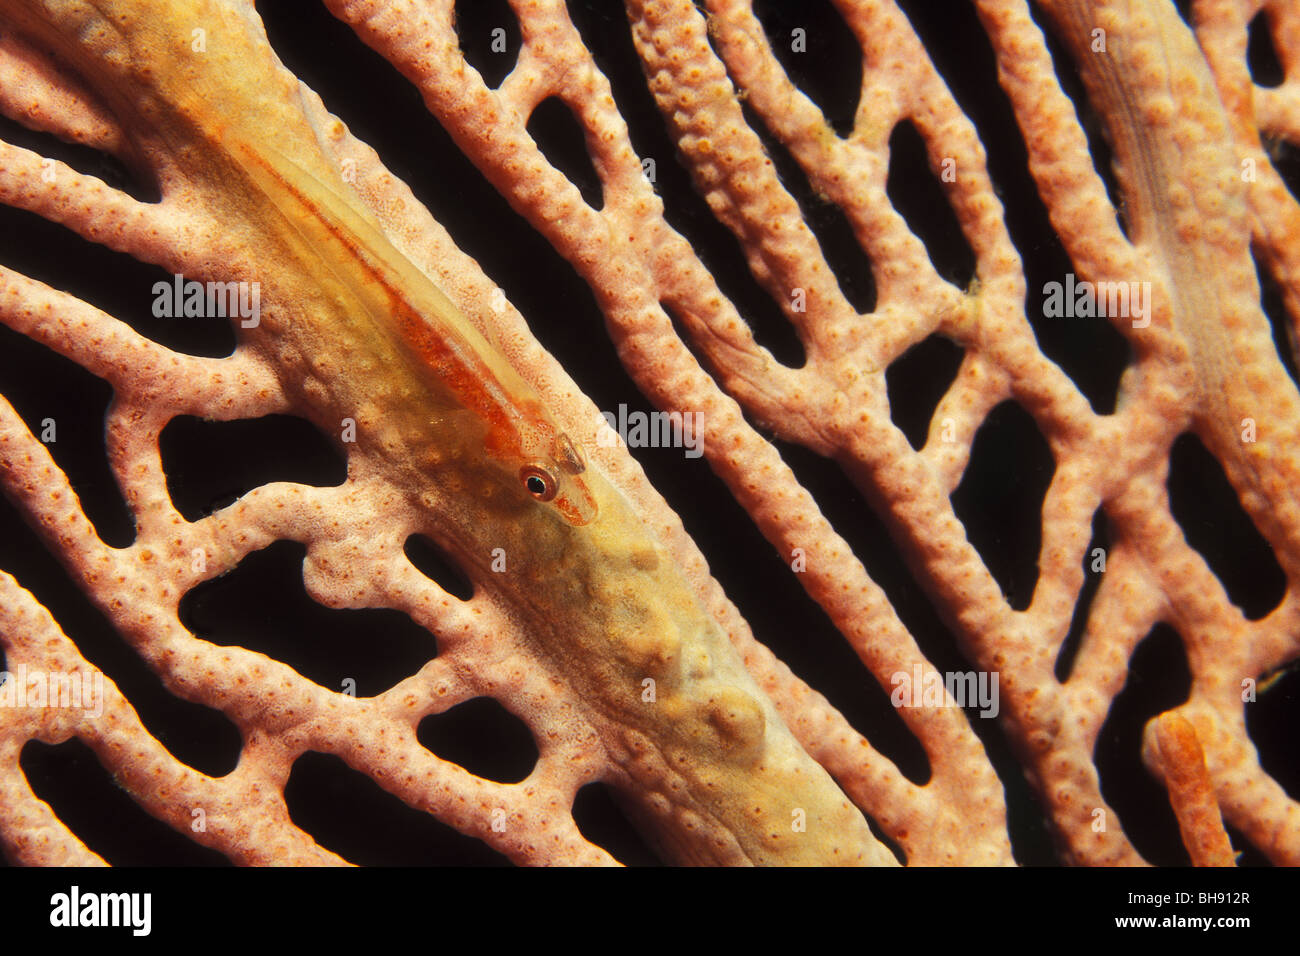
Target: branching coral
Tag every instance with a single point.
(1161, 254)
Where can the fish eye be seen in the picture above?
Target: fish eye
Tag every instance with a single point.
(539, 482)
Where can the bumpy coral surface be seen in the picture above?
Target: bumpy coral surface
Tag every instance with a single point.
(991, 361)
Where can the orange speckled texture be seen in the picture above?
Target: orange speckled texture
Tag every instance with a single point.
(734, 758)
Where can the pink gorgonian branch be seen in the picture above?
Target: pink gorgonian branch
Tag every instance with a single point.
(591, 616)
